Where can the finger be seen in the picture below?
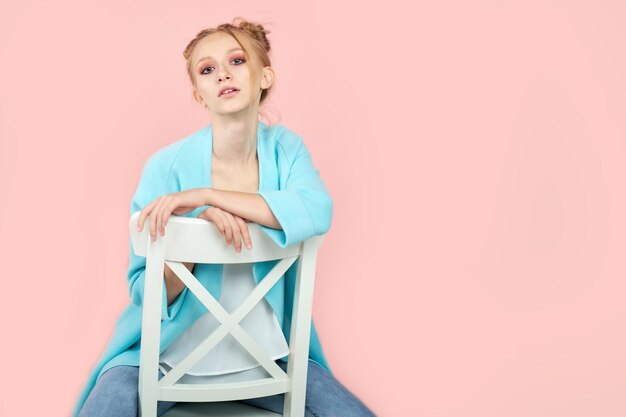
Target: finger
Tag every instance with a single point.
(228, 229)
(157, 217)
(211, 215)
(216, 218)
(244, 232)
(219, 223)
(154, 217)
(236, 231)
(140, 220)
(143, 214)
(167, 210)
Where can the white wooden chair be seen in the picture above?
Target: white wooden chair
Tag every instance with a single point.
(190, 239)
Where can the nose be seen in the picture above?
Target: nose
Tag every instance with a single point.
(222, 77)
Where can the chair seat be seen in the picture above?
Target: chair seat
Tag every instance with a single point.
(217, 409)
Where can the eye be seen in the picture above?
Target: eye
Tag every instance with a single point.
(205, 68)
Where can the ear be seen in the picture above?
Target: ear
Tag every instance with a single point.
(267, 78)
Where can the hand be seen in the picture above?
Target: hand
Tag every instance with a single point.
(229, 225)
(160, 209)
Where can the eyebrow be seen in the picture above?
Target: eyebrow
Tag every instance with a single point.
(208, 57)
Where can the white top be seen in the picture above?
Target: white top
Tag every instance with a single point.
(228, 361)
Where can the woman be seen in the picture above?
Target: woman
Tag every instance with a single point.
(244, 171)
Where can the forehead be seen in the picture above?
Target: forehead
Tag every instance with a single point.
(215, 45)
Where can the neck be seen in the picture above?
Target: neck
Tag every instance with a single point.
(234, 141)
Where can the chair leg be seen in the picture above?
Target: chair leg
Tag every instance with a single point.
(296, 396)
(289, 408)
(148, 406)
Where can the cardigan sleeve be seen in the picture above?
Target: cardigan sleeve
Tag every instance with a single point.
(153, 184)
(304, 207)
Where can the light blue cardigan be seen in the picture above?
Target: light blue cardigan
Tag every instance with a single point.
(295, 193)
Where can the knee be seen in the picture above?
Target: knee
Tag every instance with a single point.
(115, 394)
(327, 396)
(318, 378)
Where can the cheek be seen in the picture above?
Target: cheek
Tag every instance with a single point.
(242, 71)
(203, 89)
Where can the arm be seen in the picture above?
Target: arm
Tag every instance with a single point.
(245, 205)
(300, 209)
(302, 205)
(249, 206)
(153, 183)
(173, 284)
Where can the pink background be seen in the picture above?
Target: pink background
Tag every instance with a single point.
(475, 152)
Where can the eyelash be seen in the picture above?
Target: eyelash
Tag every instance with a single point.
(204, 73)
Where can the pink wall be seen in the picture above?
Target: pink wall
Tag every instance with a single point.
(475, 152)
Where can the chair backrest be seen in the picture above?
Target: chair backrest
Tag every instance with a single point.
(196, 240)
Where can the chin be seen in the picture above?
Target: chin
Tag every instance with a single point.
(232, 110)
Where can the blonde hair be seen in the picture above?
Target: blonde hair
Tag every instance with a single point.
(251, 37)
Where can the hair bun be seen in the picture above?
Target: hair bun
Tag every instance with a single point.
(256, 30)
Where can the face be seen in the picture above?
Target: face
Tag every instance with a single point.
(217, 62)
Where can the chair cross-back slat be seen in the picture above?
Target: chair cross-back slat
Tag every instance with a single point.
(229, 322)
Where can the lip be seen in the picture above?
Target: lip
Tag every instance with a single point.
(228, 87)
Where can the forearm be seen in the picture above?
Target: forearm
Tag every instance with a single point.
(249, 206)
(174, 286)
